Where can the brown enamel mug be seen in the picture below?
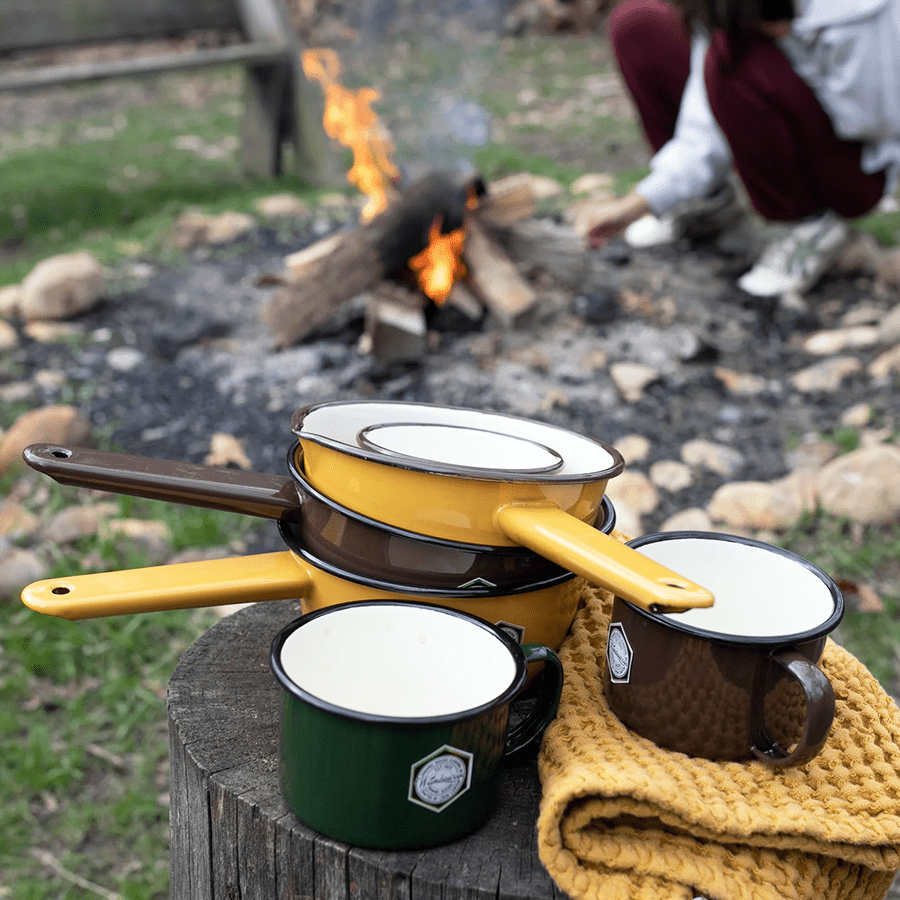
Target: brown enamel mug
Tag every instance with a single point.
(738, 680)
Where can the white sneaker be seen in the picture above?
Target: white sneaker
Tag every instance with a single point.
(797, 260)
(650, 231)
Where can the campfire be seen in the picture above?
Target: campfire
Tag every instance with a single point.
(431, 241)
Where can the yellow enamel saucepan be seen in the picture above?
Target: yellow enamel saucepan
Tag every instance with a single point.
(468, 475)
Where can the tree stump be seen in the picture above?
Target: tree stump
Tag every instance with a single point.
(233, 835)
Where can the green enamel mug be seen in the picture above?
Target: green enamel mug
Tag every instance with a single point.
(395, 719)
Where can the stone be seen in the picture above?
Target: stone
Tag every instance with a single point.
(812, 454)
(827, 375)
(61, 287)
(887, 266)
(9, 339)
(594, 183)
(10, 295)
(281, 206)
(48, 424)
(827, 343)
(628, 520)
(153, 538)
(693, 519)
(16, 518)
(632, 378)
(889, 326)
(227, 450)
(633, 489)
(759, 504)
(671, 475)
(863, 485)
(886, 365)
(857, 416)
(18, 569)
(229, 226)
(702, 454)
(76, 522)
(634, 448)
(125, 359)
(744, 383)
(51, 332)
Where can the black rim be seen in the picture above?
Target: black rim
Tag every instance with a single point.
(671, 621)
(402, 721)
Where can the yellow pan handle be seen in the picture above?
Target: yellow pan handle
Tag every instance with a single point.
(243, 579)
(603, 560)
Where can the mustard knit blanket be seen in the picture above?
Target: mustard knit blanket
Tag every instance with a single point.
(622, 819)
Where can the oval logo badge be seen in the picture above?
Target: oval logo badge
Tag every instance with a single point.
(440, 778)
(618, 654)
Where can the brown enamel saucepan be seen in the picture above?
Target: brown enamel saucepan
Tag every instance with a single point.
(474, 476)
(336, 536)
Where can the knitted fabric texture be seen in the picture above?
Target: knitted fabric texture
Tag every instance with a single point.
(623, 819)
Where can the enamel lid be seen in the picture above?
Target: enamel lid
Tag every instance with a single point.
(456, 441)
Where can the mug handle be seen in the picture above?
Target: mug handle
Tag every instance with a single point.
(819, 712)
(530, 730)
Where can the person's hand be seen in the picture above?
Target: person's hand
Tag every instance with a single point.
(613, 216)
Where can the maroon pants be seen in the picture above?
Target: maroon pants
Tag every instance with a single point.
(783, 144)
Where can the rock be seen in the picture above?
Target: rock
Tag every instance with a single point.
(18, 569)
(125, 359)
(631, 379)
(51, 332)
(701, 454)
(50, 424)
(9, 300)
(281, 206)
(889, 326)
(16, 519)
(863, 485)
(9, 339)
(195, 227)
(887, 267)
(153, 538)
(693, 519)
(759, 504)
(17, 392)
(628, 520)
(744, 383)
(227, 450)
(886, 365)
(61, 287)
(75, 522)
(827, 343)
(634, 490)
(827, 375)
(633, 447)
(671, 475)
(858, 256)
(812, 454)
(857, 416)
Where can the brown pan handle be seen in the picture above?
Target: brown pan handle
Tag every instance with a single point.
(216, 582)
(213, 487)
(601, 559)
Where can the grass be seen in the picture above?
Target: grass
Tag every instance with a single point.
(83, 746)
(83, 739)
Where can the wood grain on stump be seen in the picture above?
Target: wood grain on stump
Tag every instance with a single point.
(233, 835)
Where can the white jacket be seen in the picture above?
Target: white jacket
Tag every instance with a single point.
(847, 51)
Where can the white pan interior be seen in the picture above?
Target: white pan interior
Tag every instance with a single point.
(398, 660)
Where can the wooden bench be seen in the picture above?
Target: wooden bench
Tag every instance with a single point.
(281, 106)
(233, 834)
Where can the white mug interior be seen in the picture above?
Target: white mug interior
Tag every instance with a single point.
(398, 660)
(759, 592)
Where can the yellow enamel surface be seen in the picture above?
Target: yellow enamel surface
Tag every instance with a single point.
(545, 614)
(266, 576)
(442, 506)
(601, 559)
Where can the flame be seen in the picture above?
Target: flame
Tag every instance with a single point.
(439, 264)
(350, 120)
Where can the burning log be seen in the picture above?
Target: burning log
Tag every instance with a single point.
(495, 278)
(314, 291)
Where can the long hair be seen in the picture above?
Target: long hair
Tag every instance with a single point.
(737, 18)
